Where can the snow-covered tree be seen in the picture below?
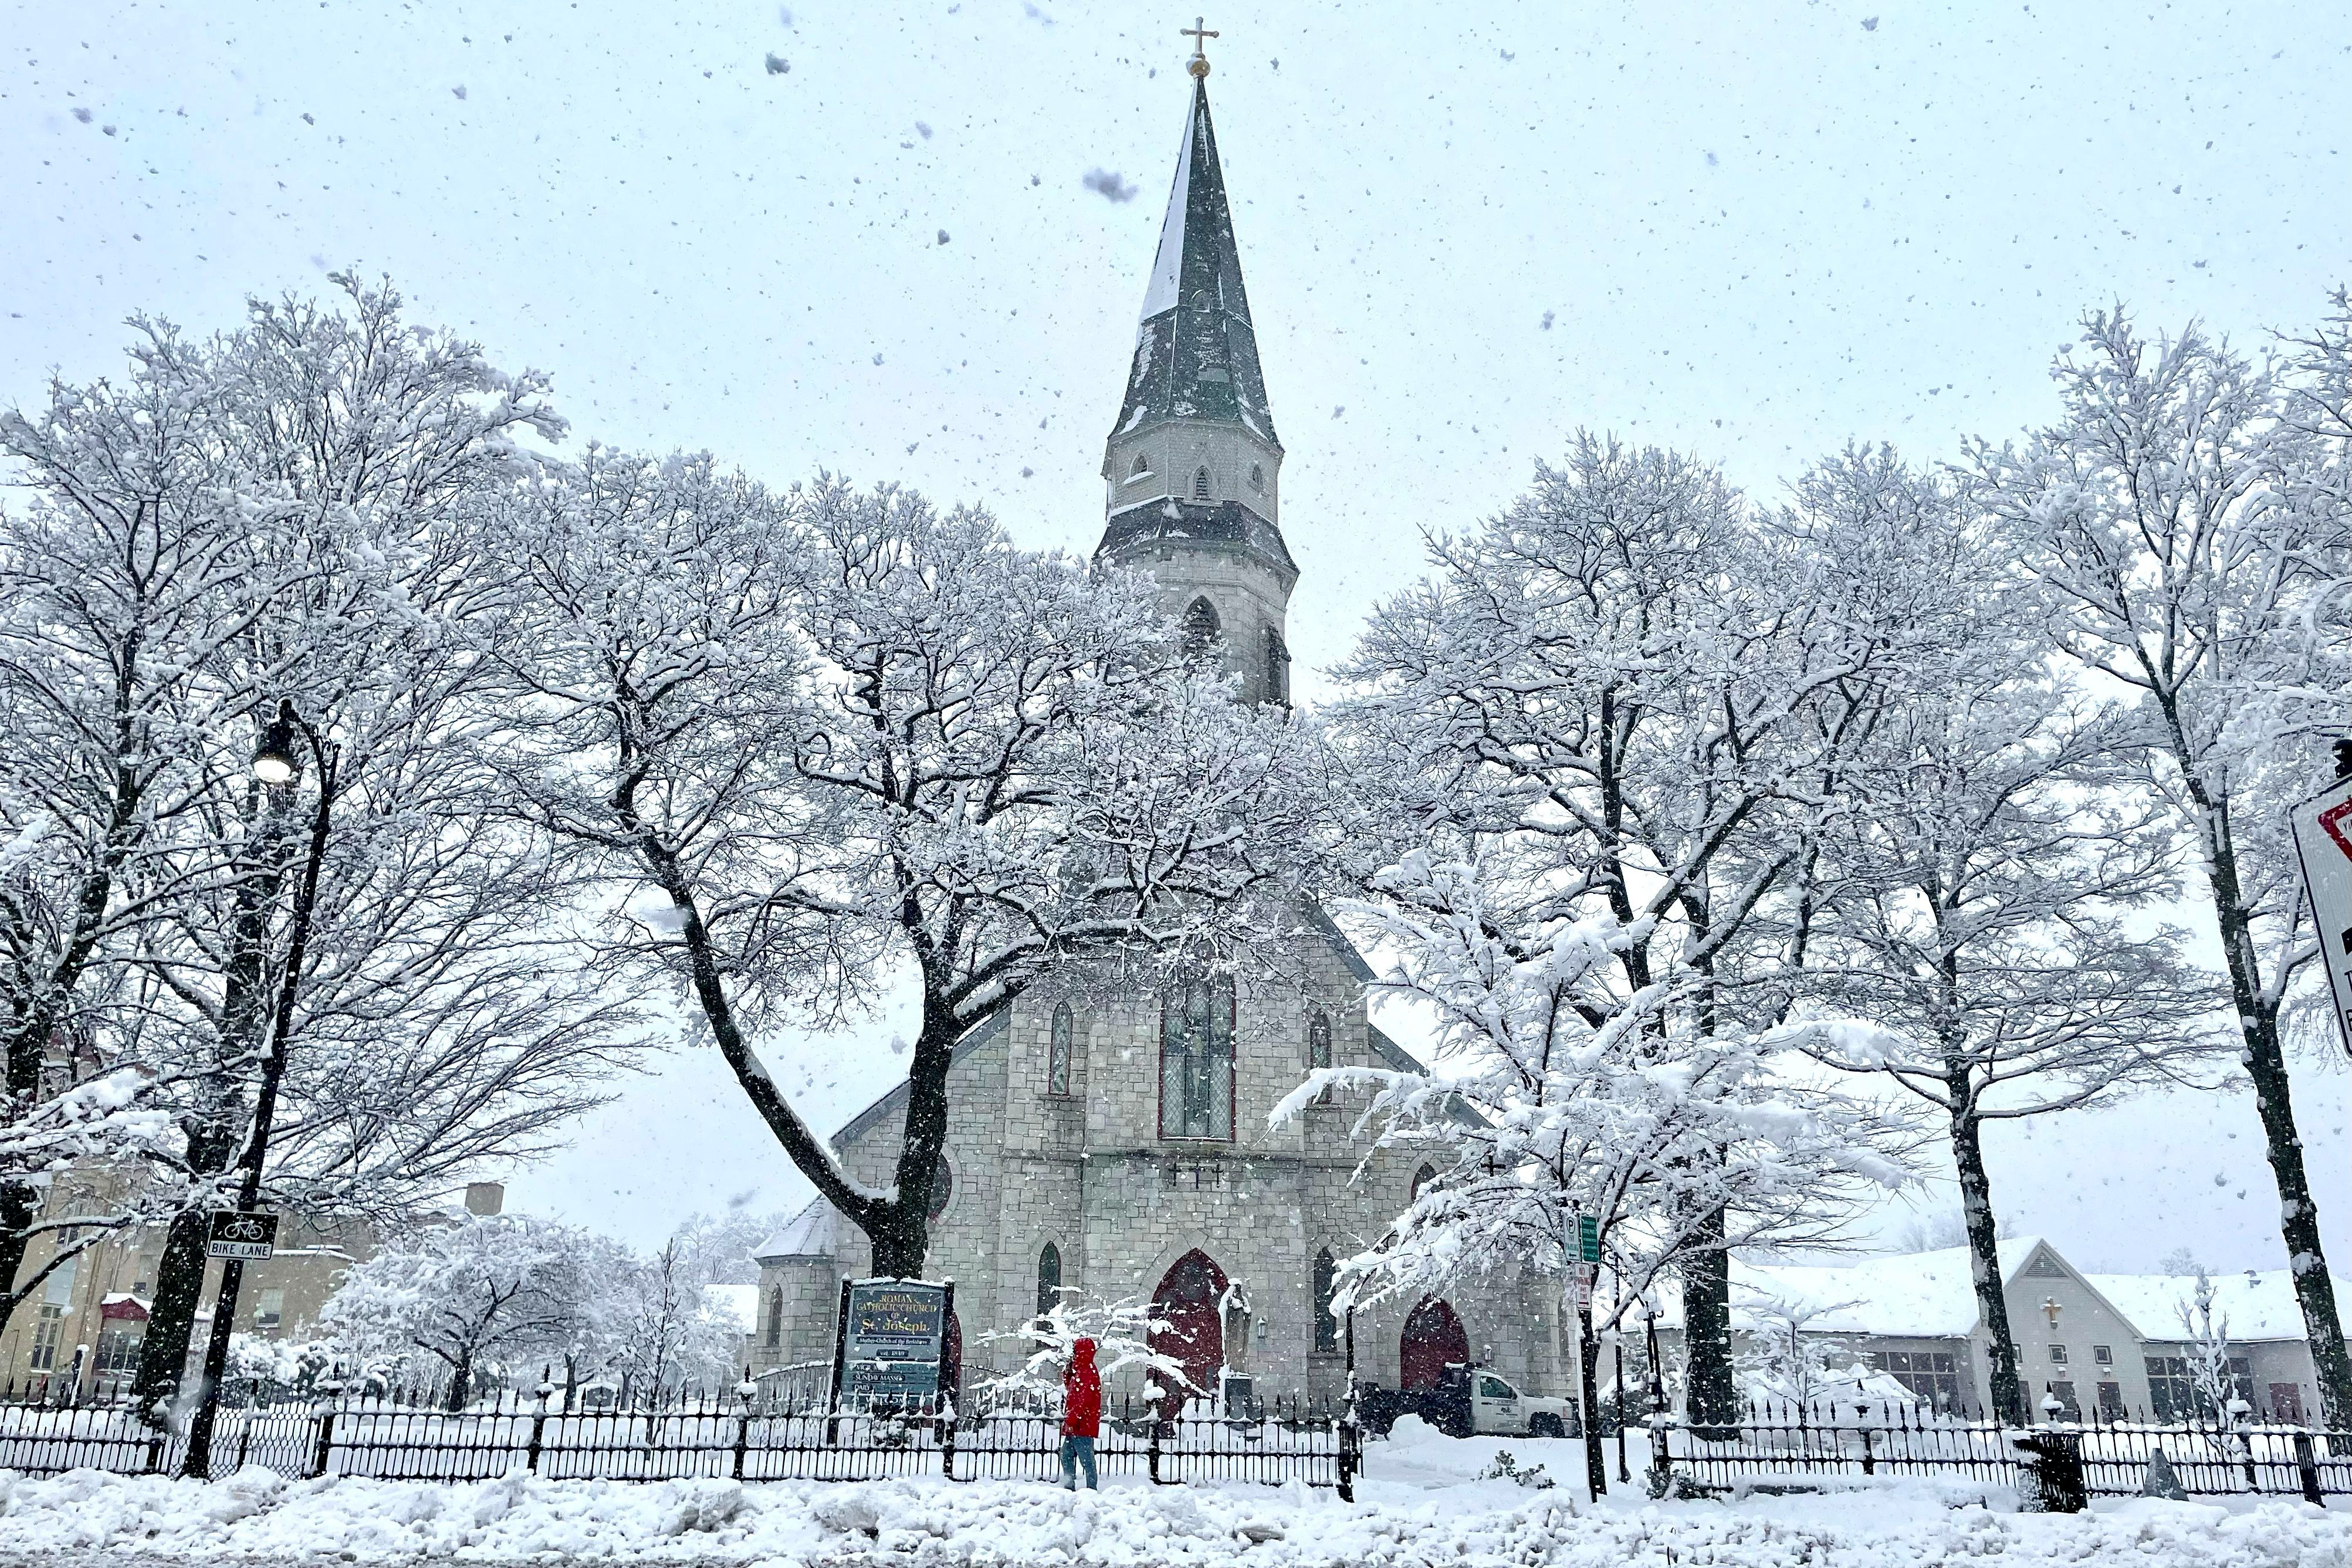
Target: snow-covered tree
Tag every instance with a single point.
(658, 1326)
(434, 1027)
(1972, 893)
(1584, 1100)
(828, 742)
(2188, 515)
(2207, 1336)
(482, 1295)
(1617, 702)
(1787, 1358)
(1122, 1330)
(123, 577)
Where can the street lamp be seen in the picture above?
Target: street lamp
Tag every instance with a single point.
(276, 765)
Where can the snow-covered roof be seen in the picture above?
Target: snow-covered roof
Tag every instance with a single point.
(739, 1304)
(811, 1233)
(2256, 1304)
(1910, 1295)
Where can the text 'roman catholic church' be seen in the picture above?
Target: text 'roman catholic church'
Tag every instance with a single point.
(1120, 1145)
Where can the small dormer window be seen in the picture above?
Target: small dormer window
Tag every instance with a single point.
(1257, 476)
(1200, 484)
(1143, 466)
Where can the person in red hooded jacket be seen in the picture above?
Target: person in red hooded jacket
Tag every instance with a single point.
(1081, 1416)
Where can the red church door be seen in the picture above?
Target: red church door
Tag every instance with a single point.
(1188, 1298)
(1433, 1340)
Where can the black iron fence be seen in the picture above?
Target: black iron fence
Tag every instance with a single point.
(766, 1435)
(2242, 1453)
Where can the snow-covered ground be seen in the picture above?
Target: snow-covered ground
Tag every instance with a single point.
(1420, 1504)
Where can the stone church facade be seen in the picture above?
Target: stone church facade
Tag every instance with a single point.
(1118, 1141)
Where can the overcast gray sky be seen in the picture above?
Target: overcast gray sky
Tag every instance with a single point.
(863, 236)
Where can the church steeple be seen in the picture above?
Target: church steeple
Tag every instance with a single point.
(1192, 468)
(1196, 354)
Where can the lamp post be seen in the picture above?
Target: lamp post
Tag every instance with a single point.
(276, 766)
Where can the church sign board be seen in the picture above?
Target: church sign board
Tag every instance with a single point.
(892, 1340)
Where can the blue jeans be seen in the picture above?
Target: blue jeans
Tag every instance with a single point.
(1077, 1451)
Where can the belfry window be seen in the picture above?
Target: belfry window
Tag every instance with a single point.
(1277, 668)
(1200, 484)
(1257, 478)
(1057, 1062)
(1142, 465)
(1196, 1059)
(1201, 626)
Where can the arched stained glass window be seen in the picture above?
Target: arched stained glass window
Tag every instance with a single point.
(1049, 1278)
(1326, 1322)
(775, 1317)
(1057, 1062)
(1318, 1039)
(1200, 484)
(1196, 1059)
(1142, 464)
(1421, 1179)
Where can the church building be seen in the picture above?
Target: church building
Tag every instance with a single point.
(1118, 1143)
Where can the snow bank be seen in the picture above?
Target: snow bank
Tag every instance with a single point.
(927, 1522)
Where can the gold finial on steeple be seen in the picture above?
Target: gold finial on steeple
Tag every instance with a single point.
(1198, 32)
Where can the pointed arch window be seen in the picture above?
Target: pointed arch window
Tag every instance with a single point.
(1277, 668)
(1143, 466)
(1327, 1321)
(1257, 476)
(1201, 483)
(1318, 1039)
(775, 1317)
(1049, 1278)
(1201, 626)
(1196, 1059)
(1421, 1179)
(1058, 1059)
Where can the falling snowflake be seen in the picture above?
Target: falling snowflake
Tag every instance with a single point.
(778, 65)
(1107, 182)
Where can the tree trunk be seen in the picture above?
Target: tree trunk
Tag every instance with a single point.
(179, 1289)
(461, 1381)
(20, 1205)
(1587, 1353)
(1984, 1257)
(901, 1231)
(2274, 1101)
(217, 1130)
(1710, 1393)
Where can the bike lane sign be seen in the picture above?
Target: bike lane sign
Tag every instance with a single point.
(247, 1238)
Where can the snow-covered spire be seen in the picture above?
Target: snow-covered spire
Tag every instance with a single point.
(1196, 354)
(1193, 473)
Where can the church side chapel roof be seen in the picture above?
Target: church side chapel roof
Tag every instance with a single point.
(811, 1233)
(1195, 351)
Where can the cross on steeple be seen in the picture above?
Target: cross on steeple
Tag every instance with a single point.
(1199, 32)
